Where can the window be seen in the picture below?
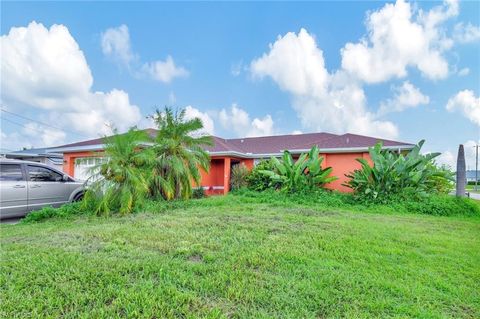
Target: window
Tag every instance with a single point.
(11, 172)
(43, 174)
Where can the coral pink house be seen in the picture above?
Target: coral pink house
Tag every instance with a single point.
(339, 152)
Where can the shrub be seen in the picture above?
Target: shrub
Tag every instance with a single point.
(256, 180)
(198, 192)
(238, 176)
(393, 174)
(304, 173)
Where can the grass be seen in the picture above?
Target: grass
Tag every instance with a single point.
(242, 258)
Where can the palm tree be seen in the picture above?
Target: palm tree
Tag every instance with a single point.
(179, 154)
(121, 182)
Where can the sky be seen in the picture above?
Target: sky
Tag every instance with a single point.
(397, 70)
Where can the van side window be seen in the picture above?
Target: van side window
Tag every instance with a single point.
(11, 172)
(43, 174)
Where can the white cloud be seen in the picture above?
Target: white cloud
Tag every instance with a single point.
(464, 72)
(449, 157)
(405, 96)
(45, 69)
(323, 101)
(296, 132)
(31, 135)
(399, 37)
(165, 71)
(208, 125)
(238, 120)
(466, 33)
(466, 103)
(116, 44)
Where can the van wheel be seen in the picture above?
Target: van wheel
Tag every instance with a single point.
(78, 197)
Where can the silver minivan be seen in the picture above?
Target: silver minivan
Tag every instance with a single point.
(27, 186)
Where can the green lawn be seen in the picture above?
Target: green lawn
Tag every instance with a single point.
(253, 260)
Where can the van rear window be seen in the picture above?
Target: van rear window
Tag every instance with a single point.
(11, 172)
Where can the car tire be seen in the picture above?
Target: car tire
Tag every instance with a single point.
(78, 197)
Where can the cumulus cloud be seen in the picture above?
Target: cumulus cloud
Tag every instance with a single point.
(466, 103)
(45, 69)
(397, 38)
(449, 157)
(208, 125)
(323, 101)
(238, 120)
(116, 44)
(30, 135)
(405, 96)
(164, 71)
(466, 33)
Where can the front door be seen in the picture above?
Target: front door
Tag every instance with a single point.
(45, 188)
(13, 191)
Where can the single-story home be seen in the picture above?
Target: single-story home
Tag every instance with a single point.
(339, 152)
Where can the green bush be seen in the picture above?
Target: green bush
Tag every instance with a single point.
(258, 181)
(393, 174)
(198, 192)
(67, 210)
(304, 173)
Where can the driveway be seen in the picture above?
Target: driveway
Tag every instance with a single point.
(10, 220)
(475, 196)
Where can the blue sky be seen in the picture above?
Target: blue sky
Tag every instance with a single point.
(245, 68)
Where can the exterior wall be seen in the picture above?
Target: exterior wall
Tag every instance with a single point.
(217, 180)
(69, 160)
(342, 163)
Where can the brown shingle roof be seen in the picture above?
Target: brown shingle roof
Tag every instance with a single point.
(276, 143)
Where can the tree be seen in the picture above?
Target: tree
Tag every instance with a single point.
(121, 182)
(179, 154)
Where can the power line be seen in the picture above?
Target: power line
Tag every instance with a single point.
(23, 125)
(42, 123)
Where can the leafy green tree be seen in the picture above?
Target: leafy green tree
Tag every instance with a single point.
(394, 173)
(179, 154)
(121, 182)
(304, 173)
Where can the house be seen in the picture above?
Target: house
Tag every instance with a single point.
(39, 155)
(339, 152)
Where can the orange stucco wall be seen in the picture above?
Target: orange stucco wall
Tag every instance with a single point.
(217, 180)
(341, 164)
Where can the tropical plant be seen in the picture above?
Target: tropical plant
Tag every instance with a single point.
(120, 184)
(394, 173)
(179, 154)
(238, 176)
(304, 173)
(258, 181)
(442, 182)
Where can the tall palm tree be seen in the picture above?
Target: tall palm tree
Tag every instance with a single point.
(179, 154)
(121, 181)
